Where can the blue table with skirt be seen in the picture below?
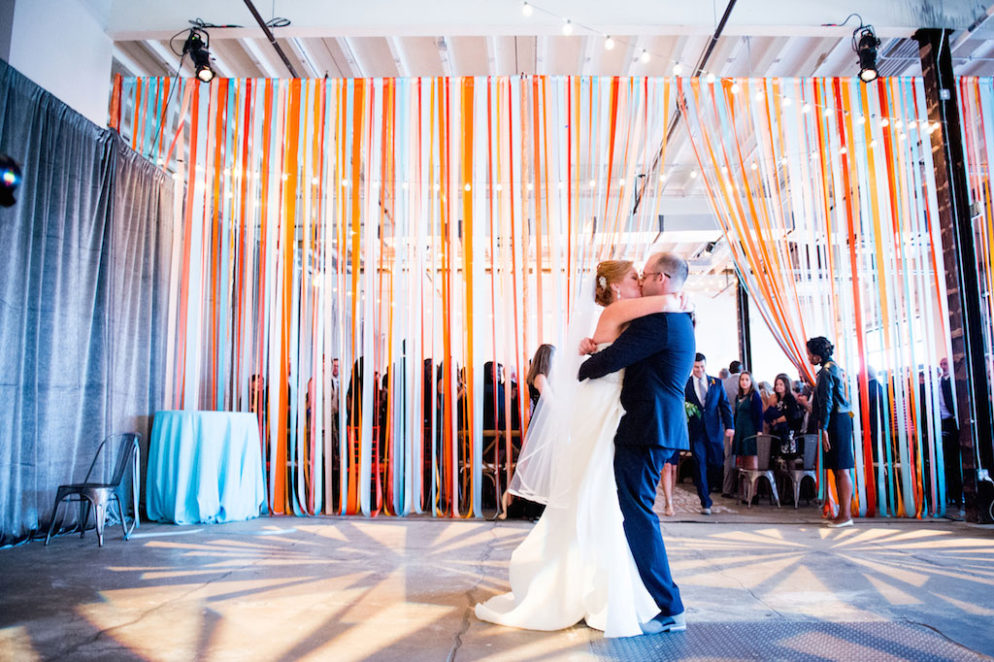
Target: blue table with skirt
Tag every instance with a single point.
(204, 467)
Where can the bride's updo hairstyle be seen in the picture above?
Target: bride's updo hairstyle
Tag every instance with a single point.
(608, 272)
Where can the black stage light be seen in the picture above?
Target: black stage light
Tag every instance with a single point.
(865, 44)
(196, 45)
(10, 179)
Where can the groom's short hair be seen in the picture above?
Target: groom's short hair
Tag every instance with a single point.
(674, 266)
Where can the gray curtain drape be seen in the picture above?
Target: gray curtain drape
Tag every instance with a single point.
(83, 294)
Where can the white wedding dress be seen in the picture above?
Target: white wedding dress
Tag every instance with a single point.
(575, 563)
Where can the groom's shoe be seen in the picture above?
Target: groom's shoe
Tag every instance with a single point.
(661, 623)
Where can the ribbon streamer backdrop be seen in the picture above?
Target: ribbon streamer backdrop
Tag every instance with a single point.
(826, 192)
(424, 226)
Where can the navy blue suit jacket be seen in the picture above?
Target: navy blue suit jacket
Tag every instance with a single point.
(657, 352)
(716, 413)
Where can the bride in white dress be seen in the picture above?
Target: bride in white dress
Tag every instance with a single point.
(575, 563)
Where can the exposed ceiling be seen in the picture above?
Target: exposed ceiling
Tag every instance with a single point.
(389, 38)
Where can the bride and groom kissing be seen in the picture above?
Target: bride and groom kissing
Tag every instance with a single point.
(595, 458)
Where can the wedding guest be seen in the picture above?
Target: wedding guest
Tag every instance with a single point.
(783, 416)
(831, 410)
(765, 391)
(877, 405)
(950, 434)
(493, 396)
(808, 424)
(353, 395)
(708, 427)
(538, 373)
(748, 422)
(723, 375)
(257, 395)
(732, 381)
(537, 381)
(334, 396)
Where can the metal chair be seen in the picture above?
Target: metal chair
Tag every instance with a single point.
(99, 495)
(751, 477)
(809, 456)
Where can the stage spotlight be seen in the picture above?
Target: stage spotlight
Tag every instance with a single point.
(197, 44)
(10, 179)
(865, 44)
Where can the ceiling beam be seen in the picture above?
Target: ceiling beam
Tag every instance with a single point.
(399, 58)
(444, 55)
(129, 63)
(265, 58)
(351, 57)
(304, 55)
(319, 18)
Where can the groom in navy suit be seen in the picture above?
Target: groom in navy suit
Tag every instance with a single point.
(657, 352)
(707, 428)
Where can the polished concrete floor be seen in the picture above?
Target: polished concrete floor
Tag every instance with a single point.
(759, 583)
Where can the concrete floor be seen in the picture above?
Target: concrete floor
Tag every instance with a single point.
(759, 583)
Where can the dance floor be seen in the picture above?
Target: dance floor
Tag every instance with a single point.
(762, 583)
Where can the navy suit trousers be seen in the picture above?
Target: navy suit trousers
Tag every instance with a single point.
(707, 458)
(636, 471)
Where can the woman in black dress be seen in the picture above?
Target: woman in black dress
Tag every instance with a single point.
(831, 409)
(783, 417)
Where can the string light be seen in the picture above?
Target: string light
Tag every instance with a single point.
(734, 88)
(608, 43)
(677, 69)
(644, 57)
(526, 9)
(568, 27)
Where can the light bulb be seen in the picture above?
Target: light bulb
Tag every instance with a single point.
(526, 9)
(568, 27)
(609, 43)
(644, 57)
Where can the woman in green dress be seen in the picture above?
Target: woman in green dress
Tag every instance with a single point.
(748, 422)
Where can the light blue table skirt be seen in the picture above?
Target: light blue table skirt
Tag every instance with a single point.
(204, 466)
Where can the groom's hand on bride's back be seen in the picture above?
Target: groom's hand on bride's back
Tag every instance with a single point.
(587, 346)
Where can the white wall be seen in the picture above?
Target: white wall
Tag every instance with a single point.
(61, 46)
(717, 338)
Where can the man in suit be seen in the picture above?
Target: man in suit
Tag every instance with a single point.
(732, 381)
(707, 429)
(950, 435)
(657, 352)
